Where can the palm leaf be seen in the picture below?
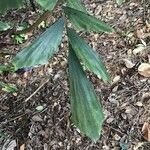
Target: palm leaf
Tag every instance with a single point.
(87, 113)
(42, 49)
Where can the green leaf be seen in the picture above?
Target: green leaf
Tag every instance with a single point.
(4, 26)
(42, 49)
(9, 4)
(119, 2)
(89, 58)
(86, 22)
(20, 38)
(6, 68)
(3, 68)
(8, 87)
(76, 4)
(47, 4)
(87, 112)
(39, 108)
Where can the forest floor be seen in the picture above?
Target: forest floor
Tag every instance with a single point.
(126, 101)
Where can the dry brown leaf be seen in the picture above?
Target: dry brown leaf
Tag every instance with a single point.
(22, 147)
(116, 79)
(139, 104)
(146, 96)
(144, 69)
(146, 131)
(138, 145)
(139, 49)
(129, 64)
(149, 58)
(139, 33)
(147, 24)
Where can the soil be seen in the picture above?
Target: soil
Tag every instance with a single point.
(126, 101)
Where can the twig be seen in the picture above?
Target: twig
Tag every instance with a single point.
(17, 117)
(27, 99)
(114, 129)
(43, 17)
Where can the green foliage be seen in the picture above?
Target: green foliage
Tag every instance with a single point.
(47, 4)
(76, 4)
(86, 110)
(4, 68)
(86, 22)
(19, 38)
(9, 4)
(8, 87)
(88, 56)
(42, 49)
(4, 26)
(119, 2)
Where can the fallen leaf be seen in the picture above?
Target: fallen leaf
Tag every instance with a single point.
(146, 131)
(129, 64)
(139, 104)
(144, 69)
(138, 145)
(147, 24)
(106, 147)
(117, 137)
(9, 145)
(129, 52)
(128, 110)
(109, 120)
(146, 96)
(143, 42)
(116, 79)
(149, 58)
(39, 108)
(22, 147)
(37, 118)
(139, 33)
(139, 49)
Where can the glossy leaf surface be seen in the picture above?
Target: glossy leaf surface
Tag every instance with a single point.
(83, 21)
(88, 57)
(42, 49)
(86, 110)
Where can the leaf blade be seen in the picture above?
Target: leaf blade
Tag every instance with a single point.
(88, 57)
(42, 49)
(87, 112)
(86, 22)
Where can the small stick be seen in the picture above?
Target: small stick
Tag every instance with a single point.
(27, 99)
